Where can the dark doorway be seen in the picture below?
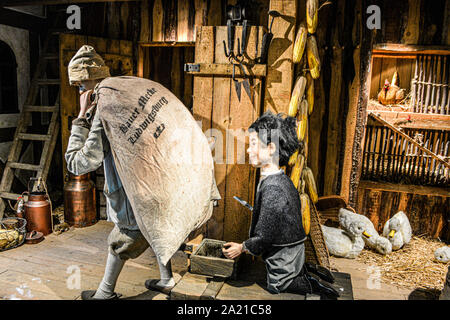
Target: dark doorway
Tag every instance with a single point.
(8, 80)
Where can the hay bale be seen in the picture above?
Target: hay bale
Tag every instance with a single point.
(413, 266)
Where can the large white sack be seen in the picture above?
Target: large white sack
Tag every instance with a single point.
(162, 158)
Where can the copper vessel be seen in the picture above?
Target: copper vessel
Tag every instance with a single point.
(80, 208)
(38, 213)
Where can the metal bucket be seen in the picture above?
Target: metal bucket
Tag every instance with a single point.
(80, 208)
(38, 213)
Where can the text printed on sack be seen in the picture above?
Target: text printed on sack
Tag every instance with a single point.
(149, 118)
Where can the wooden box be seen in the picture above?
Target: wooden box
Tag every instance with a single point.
(209, 260)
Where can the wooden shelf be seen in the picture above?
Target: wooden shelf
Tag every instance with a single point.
(406, 51)
(167, 44)
(405, 188)
(226, 69)
(413, 120)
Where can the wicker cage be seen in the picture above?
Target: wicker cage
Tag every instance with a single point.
(315, 248)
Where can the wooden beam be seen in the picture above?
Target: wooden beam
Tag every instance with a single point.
(415, 120)
(145, 21)
(351, 120)
(9, 120)
(408, 48)
(334, 106)
(17, 3)
(412, 30)
(226, 69)
(167, 44)
(415, 189)
(392, 55)
(366, 43)
(21, 20)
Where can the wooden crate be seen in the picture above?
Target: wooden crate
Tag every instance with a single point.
(209, 260)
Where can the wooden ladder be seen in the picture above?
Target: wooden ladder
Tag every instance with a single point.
(39, 84)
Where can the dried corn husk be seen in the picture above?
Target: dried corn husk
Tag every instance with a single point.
(305, 145)
(310, 92)
(312, 8)
(297, 95)
(311, 188)
(313, 57)
(414, 266)
(306, 212)
(297, 170)
(302, 118)
(293, 158)
(300, 43)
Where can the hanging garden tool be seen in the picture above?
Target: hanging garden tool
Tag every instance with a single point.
(237, 84)
(245, 82)
(267, 38)
(240, 58)
(236, 15)
(229, 47)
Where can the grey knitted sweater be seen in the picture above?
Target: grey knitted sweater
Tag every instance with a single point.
(276, 218)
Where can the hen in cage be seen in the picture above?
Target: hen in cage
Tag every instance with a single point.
(391, 93)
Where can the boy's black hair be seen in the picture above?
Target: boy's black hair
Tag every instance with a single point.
(268, 125)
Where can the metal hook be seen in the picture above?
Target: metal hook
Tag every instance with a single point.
(229, 50)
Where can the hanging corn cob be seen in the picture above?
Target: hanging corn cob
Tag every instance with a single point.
(301, 186)
(312, 8)
(302, 118)
(306, 213)
(310, 92)
(293, 158)
(296, 96)
(305, 144)
(297, 170)
(300, 43)
(313, 57)
(308, 176)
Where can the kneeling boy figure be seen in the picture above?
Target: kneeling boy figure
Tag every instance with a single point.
(276, 231)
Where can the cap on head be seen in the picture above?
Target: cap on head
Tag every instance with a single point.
(87, 64)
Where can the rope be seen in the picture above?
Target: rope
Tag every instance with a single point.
(431, 83)
(48, 198)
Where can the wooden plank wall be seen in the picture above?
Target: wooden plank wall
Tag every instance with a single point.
(280, 68)
(175, 20)
(218, 109)
(165, 65)
(118, 57)
(405, 22)
(428, 209)
(337, 123)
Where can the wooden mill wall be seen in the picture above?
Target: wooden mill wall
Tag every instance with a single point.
(337, 124)
(427, 208)
(348, 44)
